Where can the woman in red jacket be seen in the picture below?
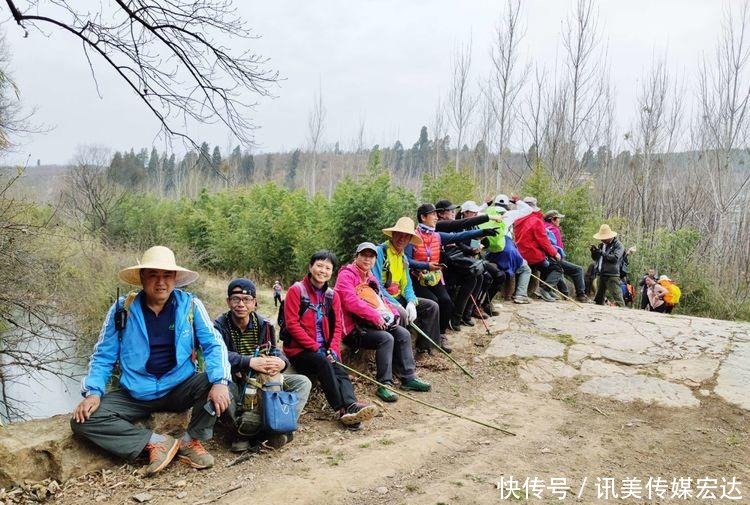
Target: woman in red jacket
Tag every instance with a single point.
(316, 339)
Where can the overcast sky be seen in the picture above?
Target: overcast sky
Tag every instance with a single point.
(382, 62)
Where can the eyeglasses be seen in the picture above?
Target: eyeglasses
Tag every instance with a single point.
(235, 300)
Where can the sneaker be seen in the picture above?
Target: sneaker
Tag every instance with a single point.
(415, 384)
(454, 324)
(278, 440)
(386, 394)
(583, 299)
(193, 454)
(424, 350)
(356, 413)
(466, 321)
(444, 344)
(521, 299)
(547, 296)
(161, 454)
(489, 310)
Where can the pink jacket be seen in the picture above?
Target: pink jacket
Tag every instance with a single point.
(355, 309)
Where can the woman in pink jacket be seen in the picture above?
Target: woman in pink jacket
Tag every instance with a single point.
(655, 293)
(371, 322)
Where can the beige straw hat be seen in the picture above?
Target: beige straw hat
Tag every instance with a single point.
(404, 225)
(158, 258)
(605, 233)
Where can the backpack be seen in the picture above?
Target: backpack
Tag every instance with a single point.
(304, 304)
(673, 295)
(624, 266)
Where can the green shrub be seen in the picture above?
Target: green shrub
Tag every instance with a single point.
(451, 184)
(361, 209)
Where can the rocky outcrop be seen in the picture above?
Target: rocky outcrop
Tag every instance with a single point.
(46, 448)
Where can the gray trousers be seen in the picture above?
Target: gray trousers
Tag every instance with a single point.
(249, 423)
(111, 426)
(392, 352)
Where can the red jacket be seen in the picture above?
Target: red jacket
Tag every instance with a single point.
(531, 238)
(302, 330)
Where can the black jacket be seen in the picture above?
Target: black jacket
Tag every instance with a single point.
(612, 256)
(240, 363)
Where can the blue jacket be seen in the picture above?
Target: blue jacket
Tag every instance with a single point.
(377, 271)
(133, 351)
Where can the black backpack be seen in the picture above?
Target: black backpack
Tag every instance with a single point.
(304, 304)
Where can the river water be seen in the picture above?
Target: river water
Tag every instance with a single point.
(34, 393)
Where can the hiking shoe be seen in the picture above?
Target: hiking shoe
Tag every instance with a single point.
(444, 344)
(521, 299)
(356, 413)
(454, 324)
(489, 310)
(278, 440)
(547, 296)
(386, 394)
(161, 454)
(583, 299)
(415, 384)
(466, 321)
(424, 350)
(193, 454)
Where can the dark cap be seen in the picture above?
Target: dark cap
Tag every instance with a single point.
(241, 286)
(425, 208)
(445, 205)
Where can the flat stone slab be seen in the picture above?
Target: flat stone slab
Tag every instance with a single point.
(627, 358)
(733, 383)
(694, 370)
(598, 368)
(524, 345)
(638, 387)
(545, 370)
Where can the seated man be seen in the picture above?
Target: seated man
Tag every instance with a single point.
(575, 272)
(155, 350)
(251, 342)
(315, 334)
(391, 269)
(371, 322)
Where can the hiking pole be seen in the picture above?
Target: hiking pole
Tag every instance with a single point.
(418, 330)
(422, 402)
(556, 291)
(479, 311)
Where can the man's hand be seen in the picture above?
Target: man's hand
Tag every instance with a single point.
(219, 396)
(269, 365)
(411, 312)
(87, 407)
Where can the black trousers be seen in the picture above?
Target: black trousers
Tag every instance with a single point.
(437, 294)
(335, 382)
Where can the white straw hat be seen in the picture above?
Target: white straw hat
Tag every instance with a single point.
(157, 258)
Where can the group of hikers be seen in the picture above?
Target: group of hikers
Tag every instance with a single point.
(439, 274)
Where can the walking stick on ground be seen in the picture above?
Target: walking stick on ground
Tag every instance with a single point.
(479, 311)
(422, 402)
(419, 330)
(556, 291)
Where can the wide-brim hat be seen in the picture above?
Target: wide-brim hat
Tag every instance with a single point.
(404, 225)
(605, 233)
(157, 258)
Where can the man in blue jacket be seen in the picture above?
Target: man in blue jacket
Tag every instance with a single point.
(156, 355)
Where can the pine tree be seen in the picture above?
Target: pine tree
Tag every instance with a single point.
(216, 158)
(247, 169)
(291, 173)
(268, 169)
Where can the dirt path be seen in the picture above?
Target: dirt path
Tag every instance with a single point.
(413, 455)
